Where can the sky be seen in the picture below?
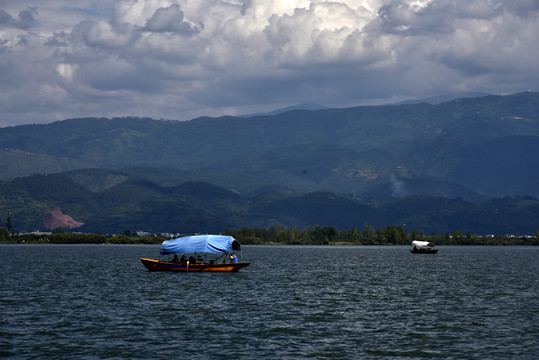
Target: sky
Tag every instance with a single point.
(176, 59)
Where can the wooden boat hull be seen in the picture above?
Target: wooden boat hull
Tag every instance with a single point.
(424, 251)
(156, 265)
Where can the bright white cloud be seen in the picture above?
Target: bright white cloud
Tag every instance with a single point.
(66, 70)
(180, 59)
(138, 12)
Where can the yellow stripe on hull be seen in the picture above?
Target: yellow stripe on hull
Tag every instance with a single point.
(156, 265)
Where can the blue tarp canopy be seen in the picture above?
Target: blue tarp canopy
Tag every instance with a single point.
(200, 243)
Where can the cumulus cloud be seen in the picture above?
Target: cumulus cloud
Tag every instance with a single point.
(180, 59)
(171, 19)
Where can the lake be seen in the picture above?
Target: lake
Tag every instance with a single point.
(293, 302)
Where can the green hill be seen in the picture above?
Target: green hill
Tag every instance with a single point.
(442, 163)
(342, 150)
(138, 204)
(18, 163)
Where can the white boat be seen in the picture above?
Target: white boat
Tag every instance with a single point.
(423, 247)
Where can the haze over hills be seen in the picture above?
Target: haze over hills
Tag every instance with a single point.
(463, 151)
(435, 100)
(301, 106)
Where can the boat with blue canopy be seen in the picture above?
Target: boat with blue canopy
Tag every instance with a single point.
(212, 253)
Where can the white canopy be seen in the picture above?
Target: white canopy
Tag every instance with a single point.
(418, 243)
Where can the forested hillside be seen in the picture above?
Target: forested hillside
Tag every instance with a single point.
(137, 204)
(475, 147)
(433, 167)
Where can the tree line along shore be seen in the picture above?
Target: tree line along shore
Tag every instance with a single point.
(315, 235)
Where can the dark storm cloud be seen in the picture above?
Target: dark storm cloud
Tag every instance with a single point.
(26, 18)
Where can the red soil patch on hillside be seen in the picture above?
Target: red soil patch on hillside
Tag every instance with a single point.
(58, 219)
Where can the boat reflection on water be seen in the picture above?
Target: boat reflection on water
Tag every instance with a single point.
(423, 247)
(209, 253)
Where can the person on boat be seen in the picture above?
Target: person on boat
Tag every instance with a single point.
(175, 259)
(200, 260)
(183, 259)
(233, 258)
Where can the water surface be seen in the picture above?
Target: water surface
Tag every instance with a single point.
(293, 302)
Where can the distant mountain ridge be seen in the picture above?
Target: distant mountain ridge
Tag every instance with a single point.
(344, 150)
(301, 106)
(473, 149)
(435, 100)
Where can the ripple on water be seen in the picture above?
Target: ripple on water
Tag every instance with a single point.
(292, 302)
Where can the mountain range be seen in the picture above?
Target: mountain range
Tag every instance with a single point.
(446, 163)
